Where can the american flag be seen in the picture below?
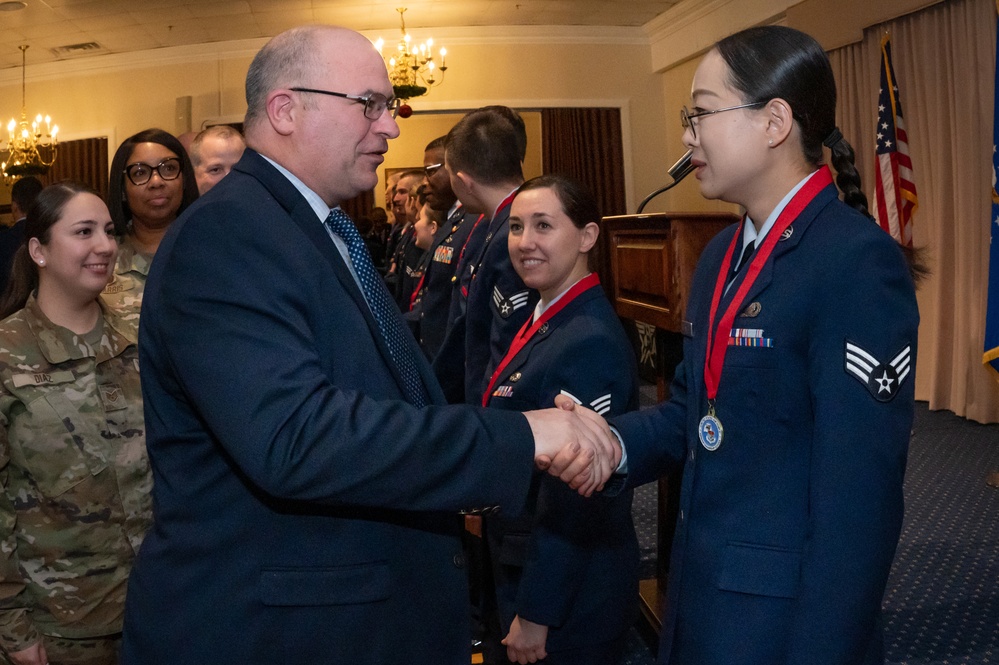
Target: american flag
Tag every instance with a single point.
(895, 190)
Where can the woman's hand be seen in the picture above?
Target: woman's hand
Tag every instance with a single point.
(33, 655)
(525, 642)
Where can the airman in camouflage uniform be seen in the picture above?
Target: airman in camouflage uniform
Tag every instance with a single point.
(75, 477)
(124, 292)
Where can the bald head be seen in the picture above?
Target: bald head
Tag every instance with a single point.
(325, 140)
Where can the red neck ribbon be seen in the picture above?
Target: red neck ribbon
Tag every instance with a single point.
(718, 337)
(528, 330)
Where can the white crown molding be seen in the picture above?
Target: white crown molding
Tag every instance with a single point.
(690, 27)
(171, 55)
(247, 48)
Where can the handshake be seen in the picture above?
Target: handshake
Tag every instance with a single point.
(574, 444)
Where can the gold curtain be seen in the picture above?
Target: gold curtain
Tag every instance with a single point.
(586, 143)
(944, 60)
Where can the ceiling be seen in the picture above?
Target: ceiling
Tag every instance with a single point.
(64, 29)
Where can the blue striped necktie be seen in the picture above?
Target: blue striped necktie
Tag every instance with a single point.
(381, 304)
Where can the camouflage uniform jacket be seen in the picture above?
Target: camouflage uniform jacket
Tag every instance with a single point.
(75, 477)
(124, 292)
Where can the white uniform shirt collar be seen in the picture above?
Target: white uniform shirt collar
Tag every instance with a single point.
(749, 234)
(504, 199)
(322, 211)
(540, 308)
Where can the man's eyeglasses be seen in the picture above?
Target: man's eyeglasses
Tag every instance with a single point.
(374, 104)
(431, 169)
(687, 118)
(139, 173)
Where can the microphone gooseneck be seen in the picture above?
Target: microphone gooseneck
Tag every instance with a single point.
(680, 170)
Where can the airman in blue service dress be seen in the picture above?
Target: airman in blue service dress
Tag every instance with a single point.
(489, 306)
(790, 512)
(568, 563)
(432, 300)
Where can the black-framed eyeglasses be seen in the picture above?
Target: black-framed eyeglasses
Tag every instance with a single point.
(687, 118)
(374, 104)
(431, 169)
(140, 173)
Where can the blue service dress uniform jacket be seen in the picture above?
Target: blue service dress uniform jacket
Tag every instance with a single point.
(304, 512)
(570, 563)
(431, 306)
(787, 531)
(490, 305)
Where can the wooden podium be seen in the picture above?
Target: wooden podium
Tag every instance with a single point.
(646, 264)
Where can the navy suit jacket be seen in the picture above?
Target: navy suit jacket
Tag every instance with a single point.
(569, 563)
(303, 511)
(787, 531)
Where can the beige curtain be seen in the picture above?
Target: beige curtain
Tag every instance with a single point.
(944, 59)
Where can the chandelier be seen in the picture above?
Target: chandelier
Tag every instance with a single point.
(412, 69)
(31, 147)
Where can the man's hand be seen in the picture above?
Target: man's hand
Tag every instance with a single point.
(575, 444)
(525, 642)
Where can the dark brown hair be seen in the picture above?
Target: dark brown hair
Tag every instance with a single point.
(42, 215)
(577, 202)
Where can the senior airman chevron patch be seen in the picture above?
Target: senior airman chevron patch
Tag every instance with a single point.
(883, 379)
(507, 306)
(601, 404)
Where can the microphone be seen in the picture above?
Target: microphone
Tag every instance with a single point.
(680, 170)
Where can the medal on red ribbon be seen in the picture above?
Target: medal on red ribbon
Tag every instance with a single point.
(710, 430)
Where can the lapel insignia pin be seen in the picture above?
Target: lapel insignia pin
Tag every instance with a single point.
(515, 377)
(788, 232)
(883, 379)
(753, 310)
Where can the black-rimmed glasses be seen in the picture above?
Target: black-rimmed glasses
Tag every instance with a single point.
(140, 173)
(374, 104)
(430, 169)
(687, 118)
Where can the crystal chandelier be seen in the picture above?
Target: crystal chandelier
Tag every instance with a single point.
(31, 147)
(413, 69)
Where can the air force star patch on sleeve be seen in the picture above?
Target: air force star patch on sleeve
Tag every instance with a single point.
(883, 379)
(507, 306)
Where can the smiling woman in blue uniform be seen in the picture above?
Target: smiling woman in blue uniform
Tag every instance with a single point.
(792, 407)
(566, 571)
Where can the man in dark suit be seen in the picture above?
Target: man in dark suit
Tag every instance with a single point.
(305, 498)
(22, 195)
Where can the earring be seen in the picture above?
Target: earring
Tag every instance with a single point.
(41, 263)
(770, 142)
